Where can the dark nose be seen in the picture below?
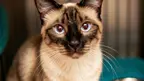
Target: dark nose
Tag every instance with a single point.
(74, 44)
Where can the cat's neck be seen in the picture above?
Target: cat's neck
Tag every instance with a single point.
(62, 68)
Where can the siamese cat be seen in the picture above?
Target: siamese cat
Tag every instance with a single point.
(68, 48)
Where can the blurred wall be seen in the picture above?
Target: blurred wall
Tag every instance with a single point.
(121, 26)
(18, 31)
(141, 29)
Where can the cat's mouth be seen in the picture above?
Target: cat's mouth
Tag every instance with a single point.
(75, 51)
(75, 55)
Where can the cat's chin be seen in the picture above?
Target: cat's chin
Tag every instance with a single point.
(76, 55)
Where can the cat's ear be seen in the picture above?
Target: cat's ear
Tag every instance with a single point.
(96, 3)
(44, 6)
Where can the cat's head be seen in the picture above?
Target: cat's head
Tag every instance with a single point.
(74, 26)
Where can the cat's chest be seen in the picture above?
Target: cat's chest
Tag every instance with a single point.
(73, 73)
(87, 69)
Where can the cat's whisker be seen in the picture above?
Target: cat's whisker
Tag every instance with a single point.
(39, 63)
(106, 67)
(113, 70)
(40, 71)
(51, 56)
(29, 62)
(57, 59)
(111, 56)
(61, 48)
(36, 71)
(110, 59)
(44, 52)
(110, 48)
(87, 46)
(85, 50)
(41, 51)
(63, 51)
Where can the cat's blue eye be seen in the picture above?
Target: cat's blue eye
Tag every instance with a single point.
(59, 29)
(86, 27)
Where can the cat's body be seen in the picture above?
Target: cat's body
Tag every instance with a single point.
(87, 68)
(51, 57)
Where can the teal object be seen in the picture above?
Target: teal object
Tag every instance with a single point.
(3, 29)
(123, 68)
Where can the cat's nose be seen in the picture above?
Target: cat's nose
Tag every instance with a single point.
(74, 44)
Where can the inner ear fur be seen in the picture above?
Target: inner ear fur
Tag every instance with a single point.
(44, 6)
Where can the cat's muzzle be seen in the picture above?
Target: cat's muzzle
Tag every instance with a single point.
(75, 49)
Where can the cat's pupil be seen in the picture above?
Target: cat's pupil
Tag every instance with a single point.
(85, 26)
(59, 28)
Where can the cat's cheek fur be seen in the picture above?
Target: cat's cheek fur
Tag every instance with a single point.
(45, 36)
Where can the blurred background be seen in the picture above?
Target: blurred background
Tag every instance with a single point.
(122, 19)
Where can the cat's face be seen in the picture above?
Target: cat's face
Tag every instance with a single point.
(73, 26)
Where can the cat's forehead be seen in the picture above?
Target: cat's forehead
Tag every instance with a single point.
(71, 9)
(66, 5)
(84, 11)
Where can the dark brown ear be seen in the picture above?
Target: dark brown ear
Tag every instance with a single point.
(96, 4)
(44, 6)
